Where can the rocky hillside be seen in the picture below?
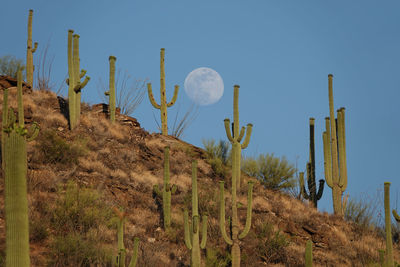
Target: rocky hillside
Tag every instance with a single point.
(76, 178)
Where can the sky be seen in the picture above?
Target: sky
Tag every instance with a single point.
(279, 52)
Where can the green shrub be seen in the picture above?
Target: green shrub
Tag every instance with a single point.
(9, 66)
(274, 173)
(77, 217)
(218, 156)
(363, 211)
(55, 150)
(217, 258)
(271, 245)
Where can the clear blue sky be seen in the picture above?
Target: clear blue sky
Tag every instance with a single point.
(279, 52)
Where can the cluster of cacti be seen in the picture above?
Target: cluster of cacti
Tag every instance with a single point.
(192, 231)
(163, 97)
(334, 140)
(235, 139)
(30, 51)
(313, 194)
(308, 254)
(111, 92)
(121, 258)
(166, 191)
(74, 79)
(14, 138)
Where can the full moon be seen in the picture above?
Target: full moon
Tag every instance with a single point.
(204, 86)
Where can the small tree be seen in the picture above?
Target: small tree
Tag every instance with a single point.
(274, 173)
(9, 66)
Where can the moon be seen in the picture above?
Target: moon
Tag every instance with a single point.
(204, 86)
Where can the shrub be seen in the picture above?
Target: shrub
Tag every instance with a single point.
(76, 221)
(218, 156)
(271, 245)
(9, 65)
(216, 258)
(274, 173)
(54, 149)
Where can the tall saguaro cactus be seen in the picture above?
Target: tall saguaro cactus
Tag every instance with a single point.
(111, 92)
(30, 50)
(166, 191)
(192, 232)
(15, 167)
(121, 258)
(388, 227)
(163, 97)
(74, 80)
(335, 152)
(236, 137)
(313, 195)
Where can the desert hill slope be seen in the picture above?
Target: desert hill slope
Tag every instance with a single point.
(120, 164)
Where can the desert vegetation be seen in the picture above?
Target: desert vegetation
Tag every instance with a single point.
(87, 186)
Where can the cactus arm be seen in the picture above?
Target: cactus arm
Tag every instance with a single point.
(151, 97)
(35, 47)
(320, 189)
(83, 72)
(80, 85)
(249, 210)
(222, 215)
(107, 93)
(188, 241)
(303, 191)
(33, 132)
(203, 232)
(157, 190)
(242, 132)
(396, 216)
(227, 123)
(176, 89)
(342, 150)
(308, 254)
(248, 135)
(20, 100)
(134, 258)
(173, 188)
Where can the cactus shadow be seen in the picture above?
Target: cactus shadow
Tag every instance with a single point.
(160, 210)
(64, 108)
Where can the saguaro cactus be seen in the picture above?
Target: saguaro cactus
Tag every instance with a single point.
(192, 232)
(313, 195)
(111, 92)
(121, 258)
(235, 138)
(15, 167)
(335, 153)
(74, 80)
(163, 98)
(308, 255)
(30, 51)
(388, 227)
(166, 192)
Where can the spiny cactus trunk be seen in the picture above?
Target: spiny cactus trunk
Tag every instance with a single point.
(308, 255)
(29, 51)
(112, 103)
(16, 202)
(71, 83)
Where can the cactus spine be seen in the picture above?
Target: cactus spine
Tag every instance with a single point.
(192, 232)
(166, 192)
(30, 51)
(308, 255)
(335, 153)
(163, 98)
(111, 92)
(121, 258)
(74, 80)
(15, 168)
(313, 195)
(388, 227)
(235, 138)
